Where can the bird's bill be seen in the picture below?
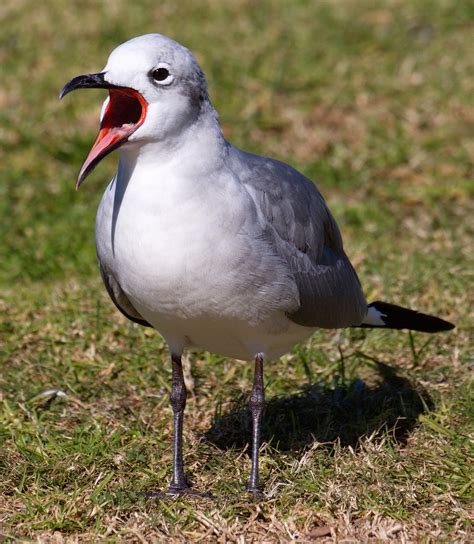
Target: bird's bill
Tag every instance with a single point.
(124, 112)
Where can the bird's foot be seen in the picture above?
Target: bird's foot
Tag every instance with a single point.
(173, 492)
(256, 493)
(188, 491)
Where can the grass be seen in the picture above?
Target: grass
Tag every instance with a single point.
(368, 435)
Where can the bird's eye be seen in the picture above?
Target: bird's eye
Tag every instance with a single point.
(162, 75)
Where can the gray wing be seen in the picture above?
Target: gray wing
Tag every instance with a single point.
(119, 298)
(306, 236)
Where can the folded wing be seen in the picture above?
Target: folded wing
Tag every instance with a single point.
(306, 236)
(119, 298)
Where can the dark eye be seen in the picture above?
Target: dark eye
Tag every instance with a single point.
(160, 74)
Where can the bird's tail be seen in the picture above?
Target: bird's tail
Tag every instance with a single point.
(389, 316)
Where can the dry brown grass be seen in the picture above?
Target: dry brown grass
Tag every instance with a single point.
(374, 101)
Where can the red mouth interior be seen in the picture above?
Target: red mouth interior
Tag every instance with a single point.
(124, 107)
(124, 113)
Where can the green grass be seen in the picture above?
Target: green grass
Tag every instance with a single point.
(367, 434)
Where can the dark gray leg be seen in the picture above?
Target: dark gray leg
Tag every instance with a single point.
(178, 403)
(257, 402)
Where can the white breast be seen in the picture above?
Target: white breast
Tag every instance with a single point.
(191, 260)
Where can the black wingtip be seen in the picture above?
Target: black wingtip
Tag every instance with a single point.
(397, 317)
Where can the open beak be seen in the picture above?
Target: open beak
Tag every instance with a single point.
(124, 113)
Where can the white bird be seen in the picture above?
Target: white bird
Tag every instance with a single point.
(214, 247)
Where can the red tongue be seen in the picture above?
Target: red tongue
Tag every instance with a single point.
(124, 113)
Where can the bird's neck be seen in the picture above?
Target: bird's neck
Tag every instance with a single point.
(200, 146)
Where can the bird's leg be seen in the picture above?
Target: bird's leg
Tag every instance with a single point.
(178, 403)
(257, 402)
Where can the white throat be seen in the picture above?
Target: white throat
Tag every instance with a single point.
(199, 143)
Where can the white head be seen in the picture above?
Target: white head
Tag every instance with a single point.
(156, 91)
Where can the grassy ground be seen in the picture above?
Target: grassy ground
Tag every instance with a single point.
(367, 433)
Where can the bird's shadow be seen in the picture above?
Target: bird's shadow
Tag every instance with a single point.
(339, 414)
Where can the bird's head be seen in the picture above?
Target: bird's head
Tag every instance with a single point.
(156, 89)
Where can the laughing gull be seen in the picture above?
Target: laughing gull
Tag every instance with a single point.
(214, 247)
